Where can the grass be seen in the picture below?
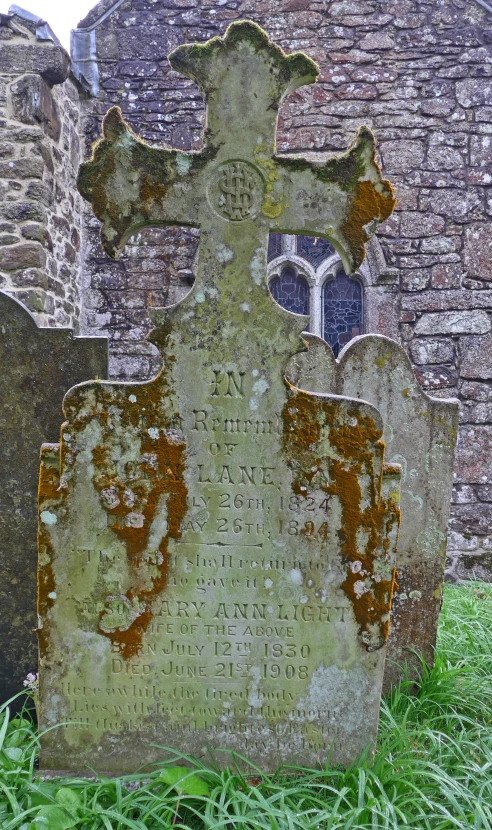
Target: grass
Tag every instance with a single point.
(432, 769)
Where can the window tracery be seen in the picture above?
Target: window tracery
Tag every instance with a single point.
(314, 249)
(340, 307)
(274, 246)
(291, 291)
(342, 310)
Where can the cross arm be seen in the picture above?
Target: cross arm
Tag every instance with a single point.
(130, 184)
(341, 198)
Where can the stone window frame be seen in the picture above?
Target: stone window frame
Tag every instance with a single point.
(373, 275)
(298, 273)
(329, 270)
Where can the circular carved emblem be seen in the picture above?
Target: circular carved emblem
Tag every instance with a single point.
(235, 191)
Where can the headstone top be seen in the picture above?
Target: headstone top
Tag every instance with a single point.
(237, 176)
(204, 62)
(420, 434)
(37, 366)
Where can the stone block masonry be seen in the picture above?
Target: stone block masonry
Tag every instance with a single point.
(420, 75)
(39, 157)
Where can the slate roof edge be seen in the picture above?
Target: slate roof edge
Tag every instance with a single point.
(83, 48)
(43, 29)
(91, 20)
(484, 5)
(83, 43)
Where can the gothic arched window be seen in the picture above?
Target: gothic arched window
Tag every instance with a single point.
(291, 291)
(314, 249)
(274, 246)
(342, 310)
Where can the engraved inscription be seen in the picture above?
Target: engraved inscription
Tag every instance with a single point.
(252, 607)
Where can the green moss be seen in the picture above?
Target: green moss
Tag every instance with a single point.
(195, 59)
(345, 170)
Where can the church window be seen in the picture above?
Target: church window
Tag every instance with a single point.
(274, 246)
(314, 249)
(291, 291)
(342, 310)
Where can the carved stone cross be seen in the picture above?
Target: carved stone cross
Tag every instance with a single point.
(216, 545)
(236, 188)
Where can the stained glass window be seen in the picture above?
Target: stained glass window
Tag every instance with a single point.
(274, 246)
(291, 291)
(314, 249)
(342, 311)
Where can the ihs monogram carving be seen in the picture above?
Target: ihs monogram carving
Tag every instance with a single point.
(236, 191)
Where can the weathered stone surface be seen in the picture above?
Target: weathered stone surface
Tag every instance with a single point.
(420, 434)
(33, 103)
(214, 544)
(476, 565)
(402, 156)
(432, 350)
(474, 456)
(446, 276)
(454, 322)
(23, 168)
(478, 251)
(38, 129)
(50, 61)
(476, 357)
(23, 255)
(473, 92)
(377, 41)
(38, 365)
(415, 224)
(437, 377)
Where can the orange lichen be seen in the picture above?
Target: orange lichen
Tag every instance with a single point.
(392, 469)
(48, 496)
(133, 496)
(371, 603)
(151, 190)
(368, 205)
(357, 446)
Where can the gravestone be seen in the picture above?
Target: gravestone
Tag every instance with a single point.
(216, 546)
(38, 365)
(420, 434)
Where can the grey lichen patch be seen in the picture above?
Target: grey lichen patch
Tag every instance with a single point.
(183, 164)
(48, 518)
(257, 266)
(120, 613)
(224, 254)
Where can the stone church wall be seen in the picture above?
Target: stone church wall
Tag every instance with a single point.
(40, 220)
(419, 73)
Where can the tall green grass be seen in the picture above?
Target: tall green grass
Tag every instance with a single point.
(432, 769)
